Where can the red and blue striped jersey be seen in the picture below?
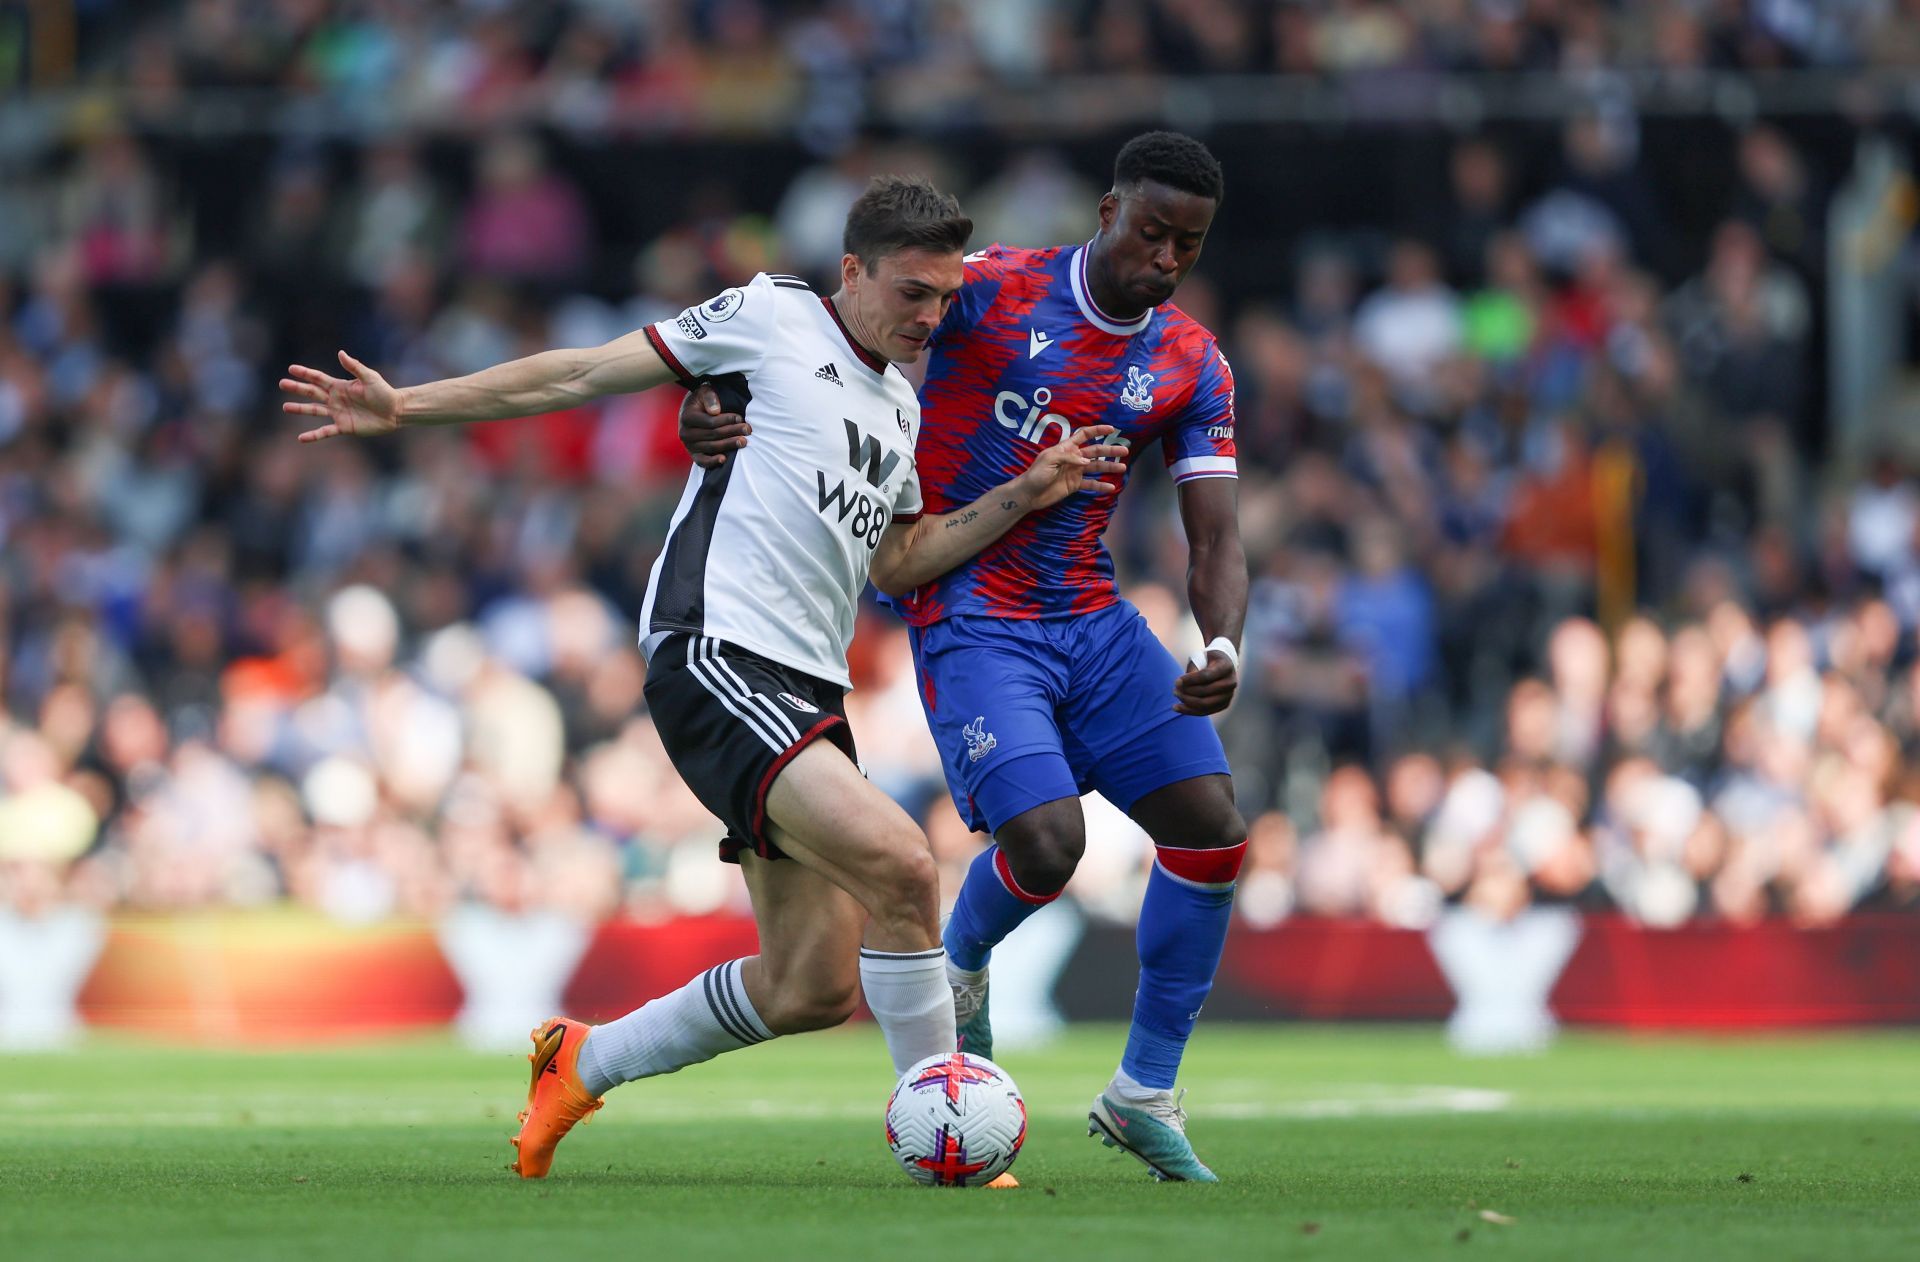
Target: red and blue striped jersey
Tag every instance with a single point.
(1023, 358)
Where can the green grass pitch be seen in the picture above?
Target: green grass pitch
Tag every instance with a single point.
(1343, 1143)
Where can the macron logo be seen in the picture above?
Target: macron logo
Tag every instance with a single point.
(829, 373)
(1037, 342)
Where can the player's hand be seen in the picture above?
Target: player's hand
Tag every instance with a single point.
(1207, 688)
(708, 433)
(361, 406)
(1075, 463)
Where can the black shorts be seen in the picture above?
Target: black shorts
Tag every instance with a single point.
(731, 720)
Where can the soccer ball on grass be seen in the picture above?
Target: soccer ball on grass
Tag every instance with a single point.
(956, 1121)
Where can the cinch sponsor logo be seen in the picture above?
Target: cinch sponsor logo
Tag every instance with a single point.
(1031, 421)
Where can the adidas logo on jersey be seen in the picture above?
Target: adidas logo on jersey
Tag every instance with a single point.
(828, 372)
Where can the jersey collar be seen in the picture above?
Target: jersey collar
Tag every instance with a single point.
(865, 356)
(1083, 297)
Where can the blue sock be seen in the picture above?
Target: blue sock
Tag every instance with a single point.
(991, 906)
(1183, 929)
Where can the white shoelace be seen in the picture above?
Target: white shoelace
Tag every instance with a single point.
(1166, 1108)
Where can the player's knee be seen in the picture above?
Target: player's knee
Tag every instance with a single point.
(1198, 821)
(1044, 859)
(1220, 829)
(906, 882)
(918, 877)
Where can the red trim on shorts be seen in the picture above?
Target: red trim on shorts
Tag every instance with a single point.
(660, 344)
(1013, 887)
(1203, 867)
(779, 764)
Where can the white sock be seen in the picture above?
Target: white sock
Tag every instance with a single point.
(709, 1015)
(910, 998)
(1124, 1087)
(958, 976)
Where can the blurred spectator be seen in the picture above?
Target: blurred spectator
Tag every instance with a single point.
(1478, 210)
(1037, 200)
(395, 217)
(1779, 198)
(524, 220)
(1741, 330)
(1412, 325)
(812, 215)
(116, 213)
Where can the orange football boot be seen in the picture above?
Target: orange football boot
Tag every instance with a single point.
(556, 1098)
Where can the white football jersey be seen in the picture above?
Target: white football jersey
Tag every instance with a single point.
(770, 551)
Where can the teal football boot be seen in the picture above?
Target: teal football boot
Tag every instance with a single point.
(1153, 1133)
(970, 1017)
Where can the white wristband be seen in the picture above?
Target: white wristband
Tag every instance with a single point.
(1219, 644)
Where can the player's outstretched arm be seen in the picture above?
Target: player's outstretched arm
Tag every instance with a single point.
(364, 405)
(1217, 592)
(912, 553)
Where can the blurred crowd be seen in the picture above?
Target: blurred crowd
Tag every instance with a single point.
(664, 65)
(1549, 605)
(1731, 768)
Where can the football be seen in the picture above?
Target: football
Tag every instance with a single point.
(956, 1121)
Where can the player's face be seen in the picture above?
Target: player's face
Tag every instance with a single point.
(904, 298)
(1152, 238)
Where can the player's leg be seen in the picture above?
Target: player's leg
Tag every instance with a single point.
(1168, 772)
(803, 978)
(756, 762)
(768, 750)
(1033, 856)
(850, 855)
(827, 817)
(1199, 841)
(990, 689)
(993, 901)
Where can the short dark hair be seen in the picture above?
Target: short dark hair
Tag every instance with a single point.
(904, 212)
(1167, 157)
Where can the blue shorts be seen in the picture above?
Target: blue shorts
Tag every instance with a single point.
(1031, 710)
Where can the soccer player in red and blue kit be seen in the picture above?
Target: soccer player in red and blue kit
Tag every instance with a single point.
(1040, 682)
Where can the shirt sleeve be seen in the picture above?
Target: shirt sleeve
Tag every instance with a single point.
(1201, 445)
(985, 271)
(728, 333)
(907, 503)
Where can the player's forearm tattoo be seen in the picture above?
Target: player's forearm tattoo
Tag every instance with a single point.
(1009, 505)
(962, 518)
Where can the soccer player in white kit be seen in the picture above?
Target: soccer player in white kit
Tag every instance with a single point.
(748, 615)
